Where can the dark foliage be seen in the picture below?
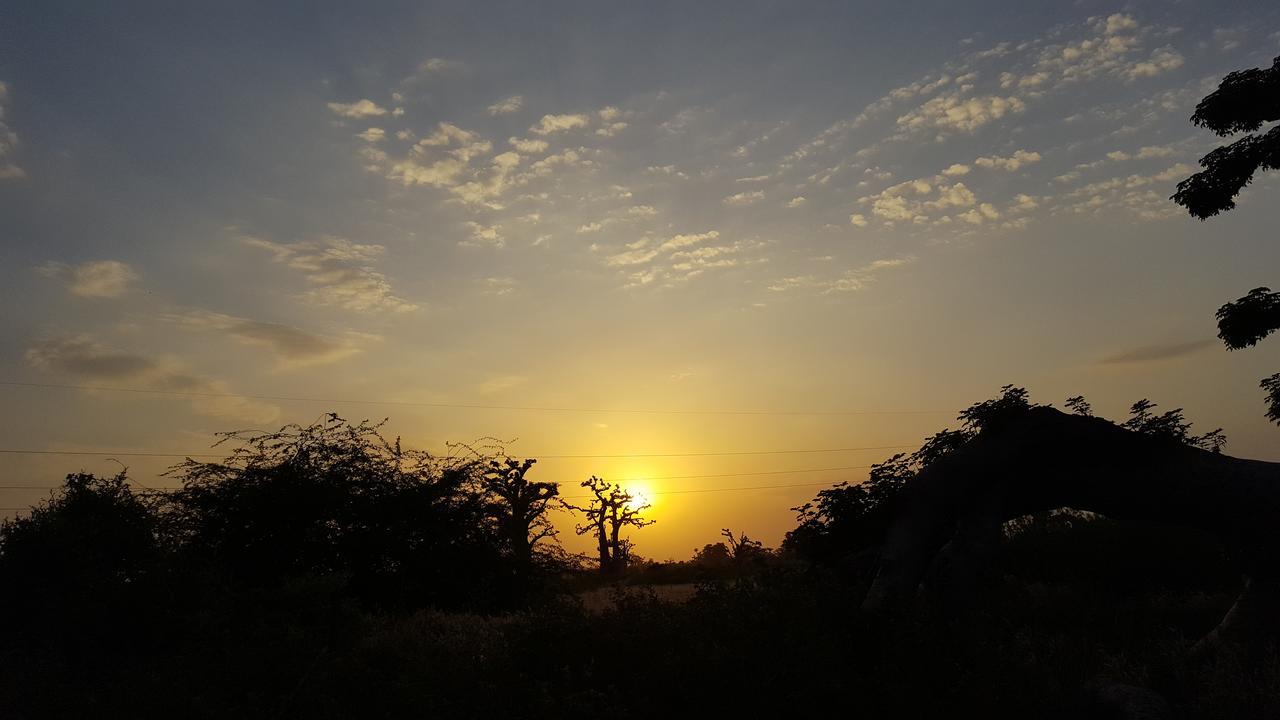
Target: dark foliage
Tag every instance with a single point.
(1079, 406)
(337, 499)
(847, 519)
(1246, 321)
(1242, 103)
(1171, 425)
(1272, 386)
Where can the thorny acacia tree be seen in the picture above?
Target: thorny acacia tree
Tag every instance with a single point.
(612, 508)
(1242, 103)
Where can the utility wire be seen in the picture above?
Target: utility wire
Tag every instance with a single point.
(620, 481)
(539, 456)
(464, 406)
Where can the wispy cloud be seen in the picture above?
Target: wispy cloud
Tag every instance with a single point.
(96, 279)
(339, 271)
(85, 359)
(1155, 353)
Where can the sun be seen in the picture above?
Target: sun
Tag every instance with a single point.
(641, 494)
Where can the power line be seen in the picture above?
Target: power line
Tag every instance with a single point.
(540, 456)
(620, 481)
(465, 406)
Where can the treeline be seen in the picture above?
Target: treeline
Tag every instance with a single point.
(325, 571)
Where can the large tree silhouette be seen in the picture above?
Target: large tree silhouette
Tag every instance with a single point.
(520, 507)
(1243, 101)
(612, 508)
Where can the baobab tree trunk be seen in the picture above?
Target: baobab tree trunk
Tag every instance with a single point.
(952, 513)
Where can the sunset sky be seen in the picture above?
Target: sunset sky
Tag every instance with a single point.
(852, 219)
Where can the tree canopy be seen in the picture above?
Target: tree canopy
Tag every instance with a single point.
(1242, 103)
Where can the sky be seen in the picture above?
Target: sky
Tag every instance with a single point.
(597, 228)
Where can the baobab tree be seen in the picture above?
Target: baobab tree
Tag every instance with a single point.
(1242, 103)
(611, 509)
(520, 507)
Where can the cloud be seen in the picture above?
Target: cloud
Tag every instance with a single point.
(744, 199)
(612, 129)
(498, 286)
(851, 280)
(858, 220)
(679, 241)
(960, 114)
(956, 170)
(339, 271)
(1011, 163)
(97, 279)
(373, 135)
(1153, 353)
(559, 123)
(359, 109)
(528, 145)
(8, 141)
(507, 106)
(797, 201)
(83, 358)
(483, 235)
(1162, 60)
(1119, 22)
(293, 346)
(500, 383)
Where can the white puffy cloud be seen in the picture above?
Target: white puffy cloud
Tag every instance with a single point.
(858, 220)
(679, 241)
(743, 199)
(359, 109)
(507, 106)
(955, 112)
(1162, 60)
(1011, 163)
(559, 123)
(373, 135)
(528, 145)
(797, 201)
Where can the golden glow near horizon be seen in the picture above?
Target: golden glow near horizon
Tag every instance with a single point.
(542, 236)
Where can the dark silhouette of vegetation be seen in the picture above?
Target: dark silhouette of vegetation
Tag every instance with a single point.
(397, 584)
(1171, 425)
(400, 527)
(1078, 405)
(521, 508)
(847, 519)
(611, 509)
(1243, 101)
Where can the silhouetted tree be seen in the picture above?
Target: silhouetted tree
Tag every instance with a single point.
(338, 499)
(1079, 406)
(743, 548)
(78, 574)
(713, 555)
(1171, 425)
(520, 507)
(1243, 101)
(848, 518)
(611, 510)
